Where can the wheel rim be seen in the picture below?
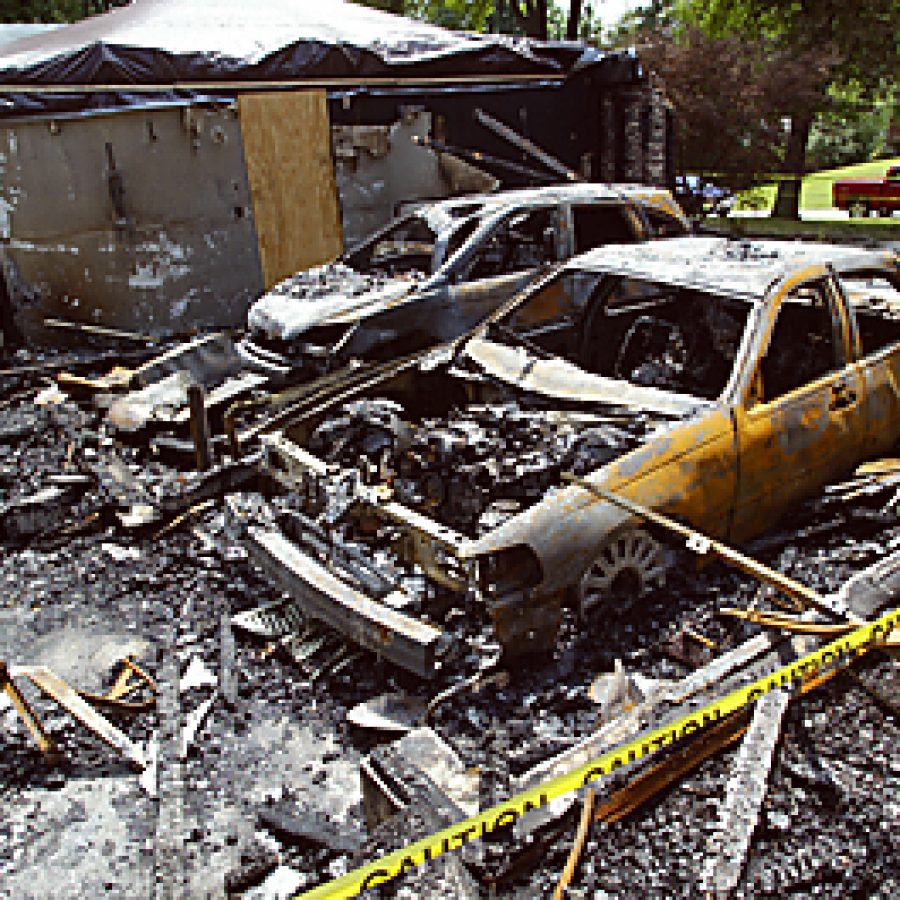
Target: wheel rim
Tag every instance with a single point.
(629, 564)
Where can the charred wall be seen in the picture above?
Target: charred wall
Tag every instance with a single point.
(143, 218)
(635, 141)
(604, 129)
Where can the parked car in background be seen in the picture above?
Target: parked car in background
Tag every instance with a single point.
(698, 197)
(719, 382)
(504, 237)
(863, 195)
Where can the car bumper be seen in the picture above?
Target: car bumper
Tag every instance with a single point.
(323, 595)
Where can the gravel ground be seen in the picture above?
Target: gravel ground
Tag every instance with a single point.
(87, 829)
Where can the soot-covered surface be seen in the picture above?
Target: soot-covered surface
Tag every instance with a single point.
(86, 828)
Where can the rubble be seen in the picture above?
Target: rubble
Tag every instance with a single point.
(57, 689)
(131, 680)
(389, 712)
(197, 675)
(296, 824)
(282, 884)
(383, 778)
(403, 803)
(616, 693)
(248, 877)
(298, 773)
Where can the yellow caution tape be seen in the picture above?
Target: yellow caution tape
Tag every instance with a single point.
(837, 654)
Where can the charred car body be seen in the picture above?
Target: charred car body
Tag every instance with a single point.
(715, 381)
(308, 319)
(429, 277)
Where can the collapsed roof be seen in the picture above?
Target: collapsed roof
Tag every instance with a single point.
(190, 45)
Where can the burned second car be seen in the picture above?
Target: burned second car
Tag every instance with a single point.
(718, 382)
(440, 247)
(427, 278)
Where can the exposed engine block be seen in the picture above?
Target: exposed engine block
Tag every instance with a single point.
(477, 467)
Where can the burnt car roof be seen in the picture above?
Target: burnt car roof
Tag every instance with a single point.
(723, 265)
(445, 213)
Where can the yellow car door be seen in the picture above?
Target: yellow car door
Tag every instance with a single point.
(875, 301)
(802, 418)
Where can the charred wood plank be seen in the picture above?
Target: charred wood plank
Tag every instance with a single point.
(739, 812)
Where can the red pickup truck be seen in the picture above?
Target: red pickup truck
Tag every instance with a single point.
(860, 195)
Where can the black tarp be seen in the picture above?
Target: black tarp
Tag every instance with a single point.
(208, 42)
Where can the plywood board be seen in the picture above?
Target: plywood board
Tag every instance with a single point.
(287, 148)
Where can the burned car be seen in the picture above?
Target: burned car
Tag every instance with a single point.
(307, 318)
(716, 381)
(426, 279)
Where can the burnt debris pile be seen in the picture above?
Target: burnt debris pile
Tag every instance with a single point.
(478, 465)
(266, 753)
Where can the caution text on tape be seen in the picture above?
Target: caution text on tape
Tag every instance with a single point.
(837, 654)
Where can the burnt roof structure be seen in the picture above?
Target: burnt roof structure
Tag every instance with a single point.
(154, 47)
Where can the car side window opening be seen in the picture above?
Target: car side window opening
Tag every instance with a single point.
(663, 224)
(564, 297)
(548, 323)
(804, 344)
(597, 225)
(524, 241)
(404, 248)
(876, 307)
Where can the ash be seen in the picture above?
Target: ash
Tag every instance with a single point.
(85, 828)
(478, 465)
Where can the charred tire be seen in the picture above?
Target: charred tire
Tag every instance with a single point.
(628, 564)
(859, 210)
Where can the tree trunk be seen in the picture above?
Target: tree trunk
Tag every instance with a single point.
(787, 202)
(533, 18)
(542, 24)
(574, 20)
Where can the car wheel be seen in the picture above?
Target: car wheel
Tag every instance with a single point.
(859, 210)
(629, 563)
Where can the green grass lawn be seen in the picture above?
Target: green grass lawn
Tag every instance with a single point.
(867, 232)
(816, 191)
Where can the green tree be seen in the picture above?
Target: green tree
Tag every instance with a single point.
(456, 14)
(463, 15)
(854, 130)
(54, 11)
(858, 40)
(541, 19)
(728, 94)
(529, 17)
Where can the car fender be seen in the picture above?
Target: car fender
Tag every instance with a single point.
(688, 471)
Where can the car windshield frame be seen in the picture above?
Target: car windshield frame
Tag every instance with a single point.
(497, 331)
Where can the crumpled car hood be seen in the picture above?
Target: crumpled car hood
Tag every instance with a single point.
(323, 295)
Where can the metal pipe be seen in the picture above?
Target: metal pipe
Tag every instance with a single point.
(199, 425)
(479, 158)
(526, 146)
(100, 330)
